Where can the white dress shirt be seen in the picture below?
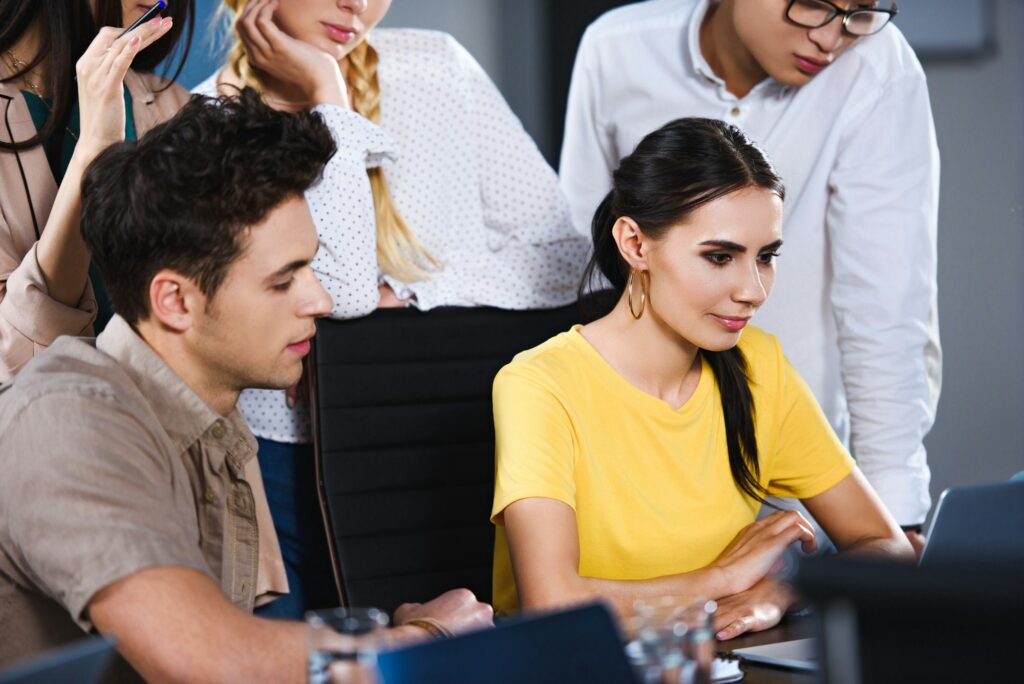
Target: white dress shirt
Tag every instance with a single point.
(467, 179)
(854, 302)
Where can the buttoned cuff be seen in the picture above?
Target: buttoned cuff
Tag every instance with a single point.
(425, 295)
(357, 137)
(28, 307)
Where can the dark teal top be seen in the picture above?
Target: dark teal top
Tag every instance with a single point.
(59, 147)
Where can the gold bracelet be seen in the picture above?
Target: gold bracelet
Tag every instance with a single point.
(431, 626)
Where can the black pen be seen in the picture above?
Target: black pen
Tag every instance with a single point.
(159, 7)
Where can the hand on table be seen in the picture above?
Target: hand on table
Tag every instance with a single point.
(272, 51)
(917, 540)
(759, 546)
(388, 298)
(457, 611)
(753, 610)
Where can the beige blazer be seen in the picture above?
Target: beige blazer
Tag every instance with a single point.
(30, 320)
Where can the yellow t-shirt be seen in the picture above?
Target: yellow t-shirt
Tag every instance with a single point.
(650, 484)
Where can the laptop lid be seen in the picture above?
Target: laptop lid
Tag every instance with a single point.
(83, 662)
(976, 523)
(577, 645)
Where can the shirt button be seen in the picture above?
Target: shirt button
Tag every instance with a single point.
(735, 111)
(218, 430)
(210, 496)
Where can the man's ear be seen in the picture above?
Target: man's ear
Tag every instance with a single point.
(174, 300)
(632, 242)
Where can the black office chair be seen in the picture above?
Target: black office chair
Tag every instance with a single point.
(404, 439)
(885, 622)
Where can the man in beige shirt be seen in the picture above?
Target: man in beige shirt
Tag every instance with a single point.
(128, 502)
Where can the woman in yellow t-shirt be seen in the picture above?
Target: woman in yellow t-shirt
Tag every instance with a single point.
(633, 453)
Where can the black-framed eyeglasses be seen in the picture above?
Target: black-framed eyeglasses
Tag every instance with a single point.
(861, 21)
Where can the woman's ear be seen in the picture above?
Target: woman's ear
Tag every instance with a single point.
(631, 242)
(173, 299)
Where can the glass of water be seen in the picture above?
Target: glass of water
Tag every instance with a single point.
(671, 640)
(342, 645)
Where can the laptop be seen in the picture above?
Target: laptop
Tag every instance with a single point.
(977, 523)
(576, 645)
(797, 654)
(83, 662)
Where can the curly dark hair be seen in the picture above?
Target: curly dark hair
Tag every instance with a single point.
(183, 195)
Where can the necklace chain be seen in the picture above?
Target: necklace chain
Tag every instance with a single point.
(19, 65)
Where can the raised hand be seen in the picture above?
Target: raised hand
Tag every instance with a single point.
(757, 548)
(101, 71)
(296, 63)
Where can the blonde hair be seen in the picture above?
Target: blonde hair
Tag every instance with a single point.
(399, 253)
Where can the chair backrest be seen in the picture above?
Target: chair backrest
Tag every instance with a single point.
(888, 622)
(404, 438)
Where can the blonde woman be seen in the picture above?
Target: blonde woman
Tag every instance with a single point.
(437, 197)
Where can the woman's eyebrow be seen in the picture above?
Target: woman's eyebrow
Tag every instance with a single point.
(738, 248)
(725, 244)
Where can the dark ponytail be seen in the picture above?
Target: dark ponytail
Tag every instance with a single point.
(673, 171)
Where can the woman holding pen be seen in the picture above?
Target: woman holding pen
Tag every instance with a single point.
(68, 89)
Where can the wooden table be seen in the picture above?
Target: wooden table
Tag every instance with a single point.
(790, 628)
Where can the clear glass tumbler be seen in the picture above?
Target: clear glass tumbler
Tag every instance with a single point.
(342, 645)
(671, 640)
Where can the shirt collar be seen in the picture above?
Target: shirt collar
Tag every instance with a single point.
(183, 415)
(700, 65)
(697, 61)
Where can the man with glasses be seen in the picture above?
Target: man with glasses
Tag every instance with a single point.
(836, 97)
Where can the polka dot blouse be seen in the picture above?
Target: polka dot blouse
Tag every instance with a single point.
(466, 178)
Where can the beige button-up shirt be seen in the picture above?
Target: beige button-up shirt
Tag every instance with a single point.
(110, 464)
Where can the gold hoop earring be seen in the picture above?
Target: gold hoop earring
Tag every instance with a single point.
(644, 284)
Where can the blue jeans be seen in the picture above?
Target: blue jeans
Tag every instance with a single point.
(290, 480)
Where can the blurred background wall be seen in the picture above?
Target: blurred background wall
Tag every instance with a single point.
(972, 54)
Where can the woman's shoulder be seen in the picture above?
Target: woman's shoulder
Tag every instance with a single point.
(551, 360)
(413, 41)
(209, 86)
(421, 49)
(758, 341)
(142, 84)
(762, 352)
(162, 97)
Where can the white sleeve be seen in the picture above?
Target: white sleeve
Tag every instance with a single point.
(882, 224)
(588, 151)
(526, 217)
(342, 208)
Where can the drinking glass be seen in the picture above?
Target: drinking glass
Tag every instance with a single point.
(671, 640)
(342, 645)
